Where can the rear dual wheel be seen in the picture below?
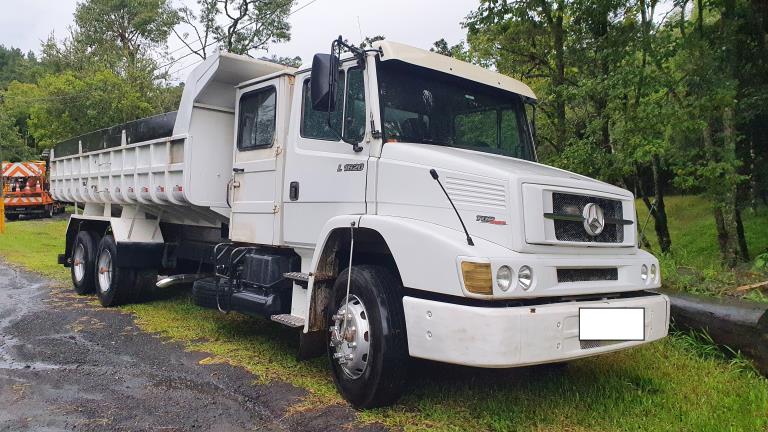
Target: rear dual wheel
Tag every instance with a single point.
(93, 269)
(120, 285)
(82, 262)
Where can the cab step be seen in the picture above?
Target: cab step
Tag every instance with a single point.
(288, 320)
(303, 278)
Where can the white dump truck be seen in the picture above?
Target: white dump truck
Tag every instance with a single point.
(386, 202)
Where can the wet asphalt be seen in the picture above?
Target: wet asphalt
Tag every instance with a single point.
(66, 364)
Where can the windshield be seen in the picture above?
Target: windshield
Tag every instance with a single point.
(423, 106)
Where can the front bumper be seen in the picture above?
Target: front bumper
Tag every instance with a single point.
(499, 337)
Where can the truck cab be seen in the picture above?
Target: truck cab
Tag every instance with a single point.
(388, 204)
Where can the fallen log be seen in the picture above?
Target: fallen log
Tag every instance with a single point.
(739, 324)
(750, 287)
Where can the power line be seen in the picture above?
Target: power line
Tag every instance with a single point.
(203, 47)
(185, 45)
(86, 93)
(213, 42)
(32, 99)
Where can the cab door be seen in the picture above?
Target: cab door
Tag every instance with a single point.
(257, 167)
(325, 176)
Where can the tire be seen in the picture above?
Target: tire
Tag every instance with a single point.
(377, 380)
(115, 285)
(83, 262)
(204, 294)
(49, 212)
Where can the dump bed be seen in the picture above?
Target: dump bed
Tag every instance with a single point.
(176, 164)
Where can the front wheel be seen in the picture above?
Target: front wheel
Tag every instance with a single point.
(367, 344)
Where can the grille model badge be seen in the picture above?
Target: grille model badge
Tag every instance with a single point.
(594, 220)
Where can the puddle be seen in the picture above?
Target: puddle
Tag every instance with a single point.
(19, 295)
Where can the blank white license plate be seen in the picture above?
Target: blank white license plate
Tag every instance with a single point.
(612, 324)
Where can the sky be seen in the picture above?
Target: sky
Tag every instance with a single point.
(24, 24)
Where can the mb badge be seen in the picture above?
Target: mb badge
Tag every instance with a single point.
(594, 220)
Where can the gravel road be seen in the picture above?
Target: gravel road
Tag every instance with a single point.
(68, 365)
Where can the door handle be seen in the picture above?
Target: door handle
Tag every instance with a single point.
(293, 191)
(238, 170)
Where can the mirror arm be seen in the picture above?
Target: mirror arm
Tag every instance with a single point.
(339, 43)
(355, 146)
(336, 46)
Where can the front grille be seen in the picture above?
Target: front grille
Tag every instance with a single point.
(567, 230)
(587, 275)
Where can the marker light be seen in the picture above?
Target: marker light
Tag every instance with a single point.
(477, 277)
(504, 278)
(525, 277)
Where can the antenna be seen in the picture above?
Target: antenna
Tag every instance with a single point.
(434, 175)
(359, 29)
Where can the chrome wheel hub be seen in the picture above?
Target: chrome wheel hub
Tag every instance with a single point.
(351, 344)
(78, 262)
(104, 268)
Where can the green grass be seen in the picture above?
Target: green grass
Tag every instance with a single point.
(677, 384)
(35, 244)
(694, 263)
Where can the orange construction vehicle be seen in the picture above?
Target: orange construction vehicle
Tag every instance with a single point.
(25, 190)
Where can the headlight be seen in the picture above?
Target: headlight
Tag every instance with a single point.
(525, 277)
(654, 274)
(477, 277)
(504, 278)
(644, 273)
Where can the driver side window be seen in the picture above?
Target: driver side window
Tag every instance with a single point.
(314, 124)
(350, 106)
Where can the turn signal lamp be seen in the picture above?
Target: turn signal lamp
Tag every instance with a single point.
(477, 277)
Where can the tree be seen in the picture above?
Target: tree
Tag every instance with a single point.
(526, 39)
(249, 25)
(458, 51)
(368, 41)
(131, 27)
(653, 101)
(294, 62)
(64, 105)
(12, 147)
(589, 64)
(204, 25)
(722, 74)
(16, 66)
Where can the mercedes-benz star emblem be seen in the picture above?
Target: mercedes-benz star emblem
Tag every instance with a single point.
(594, 220)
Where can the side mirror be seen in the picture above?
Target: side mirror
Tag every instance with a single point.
(325, 69)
